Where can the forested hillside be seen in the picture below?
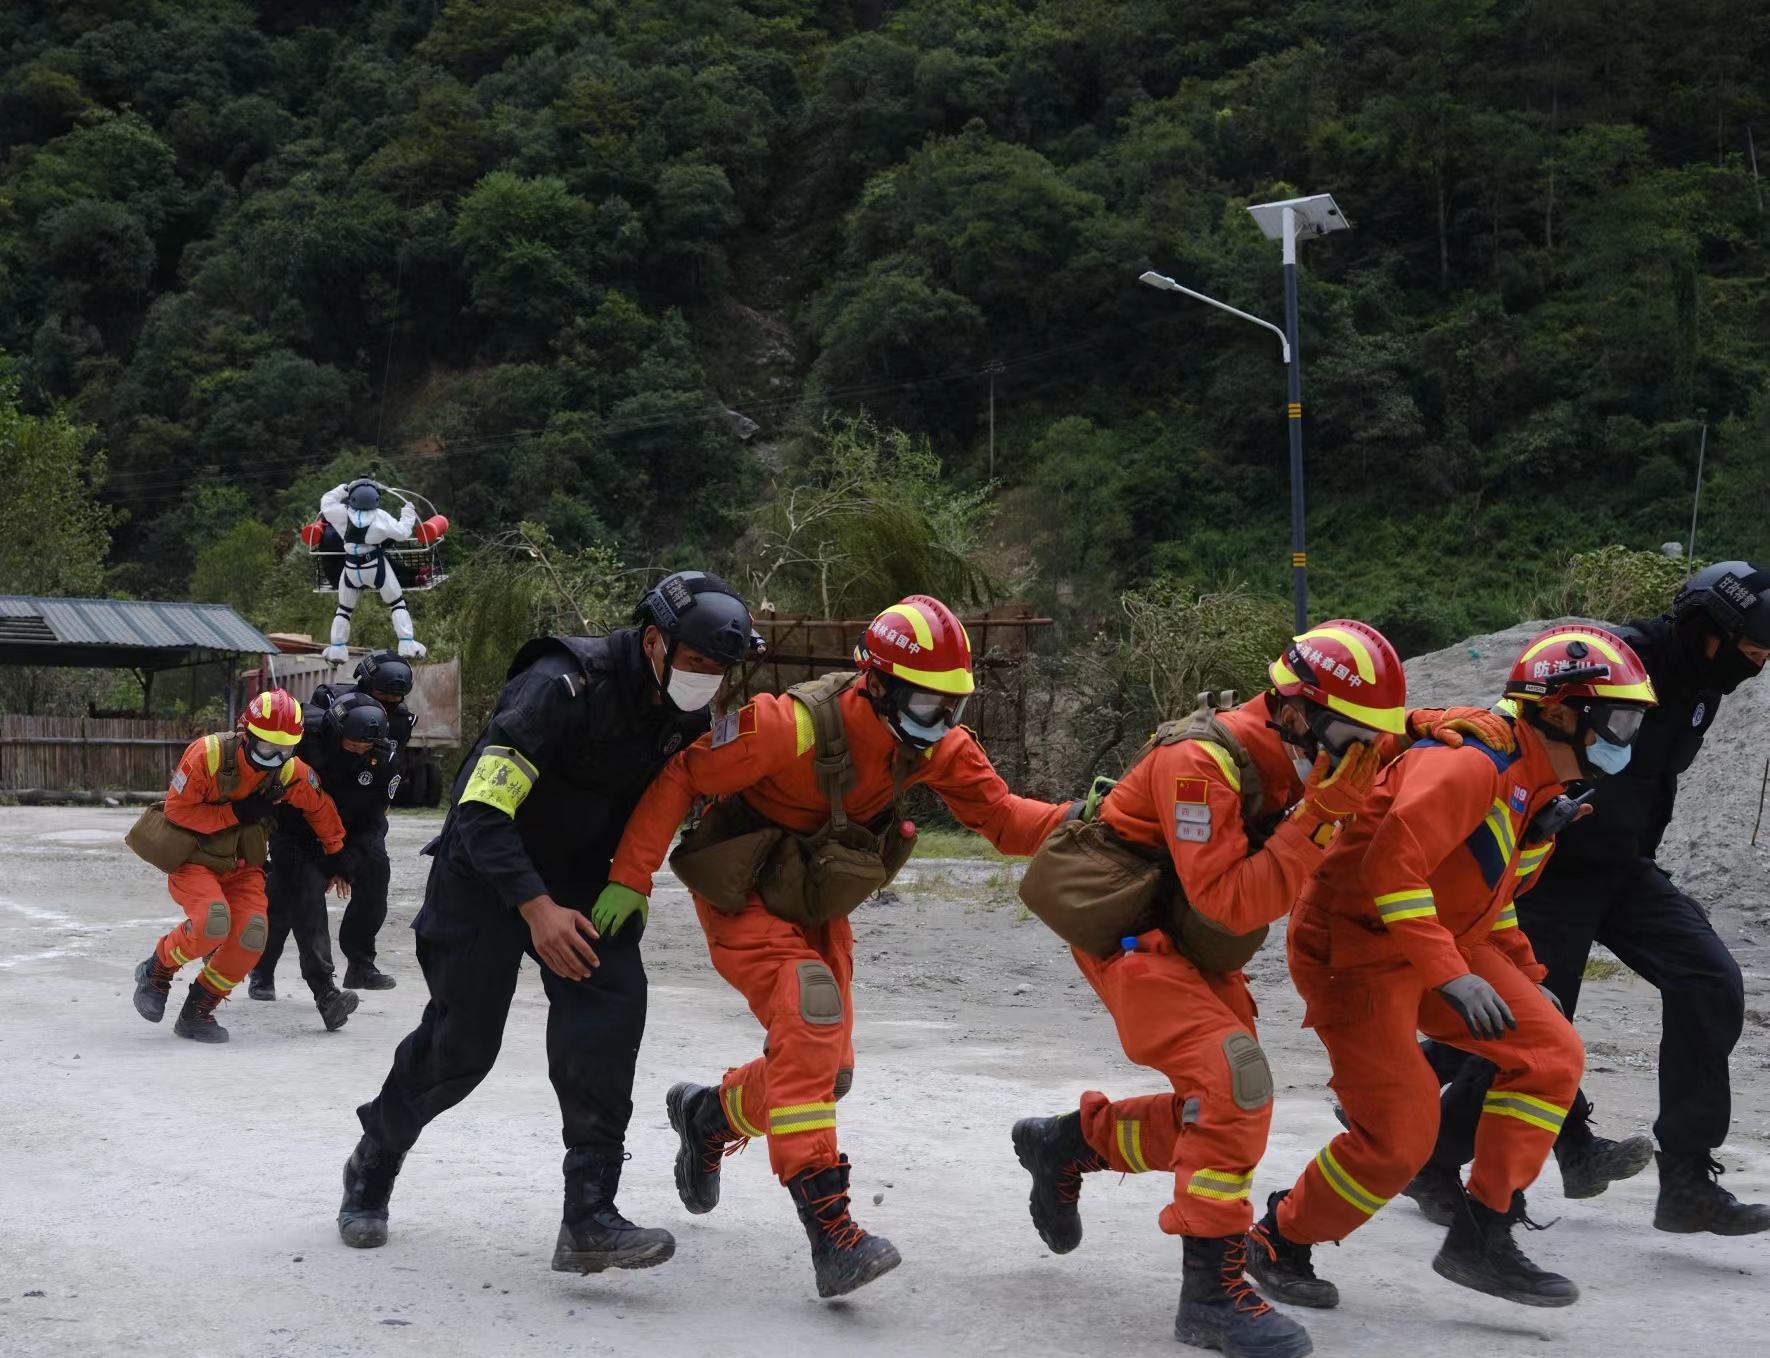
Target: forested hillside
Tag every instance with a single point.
(526, 255)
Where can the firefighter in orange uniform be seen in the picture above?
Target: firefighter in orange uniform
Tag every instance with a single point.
(1315, 741)
(223, 797)
(900, 717)
(1409, 926)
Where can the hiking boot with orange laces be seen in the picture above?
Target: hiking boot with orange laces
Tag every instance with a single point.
(707, 1137)
(1480, 1253)
(1282, 1267)
(197, 1019)
(1056, 1154)
(153, 983)
(844, 1255)
(1220, 1310)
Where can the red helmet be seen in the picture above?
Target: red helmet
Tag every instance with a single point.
(920, 642)
(1349, 668)
(273, 728)
(1580, 662)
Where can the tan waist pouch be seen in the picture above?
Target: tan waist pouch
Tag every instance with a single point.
(157, 841)
(1208, 945)
(1093, 889)
(722, 859)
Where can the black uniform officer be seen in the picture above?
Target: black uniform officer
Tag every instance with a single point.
(1603, 884)
(386, 678)
(582, 727)
(349, 750)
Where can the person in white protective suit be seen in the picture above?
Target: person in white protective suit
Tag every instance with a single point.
(355, 514)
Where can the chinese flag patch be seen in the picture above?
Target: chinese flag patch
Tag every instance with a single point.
(747, 720)
(1191, 791)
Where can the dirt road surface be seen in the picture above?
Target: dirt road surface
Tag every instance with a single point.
(159, 1197)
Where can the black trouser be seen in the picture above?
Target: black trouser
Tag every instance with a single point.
(470, 946)
(366, 912)
(1663, 936)
(295, 895)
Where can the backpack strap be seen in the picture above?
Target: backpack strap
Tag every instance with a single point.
(1206, 727)
(832, 759)
(227, 774)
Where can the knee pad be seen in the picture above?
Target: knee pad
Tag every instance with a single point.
(820, 998)
(1250, 1078)
(217, 921)
(252, 937)
(844, 1081)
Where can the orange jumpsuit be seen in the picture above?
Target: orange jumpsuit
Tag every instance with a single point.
(1417, 891)
(1196, 1027)
(225, 920)
(797, 980)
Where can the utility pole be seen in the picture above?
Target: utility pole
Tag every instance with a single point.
(1294, 418)
(1702, 448)
(993, 368)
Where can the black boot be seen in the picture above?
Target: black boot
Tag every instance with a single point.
(844, 1255)
(153, 983)
(261, 987)
(594, 1235)
(336, 1007)
(1219, 1310)
(1282, 1267)
(1056, 1154)
(197, 1019)
(368, 1183)
(1438, 1192)
(1590, 1164)
(367, 976)
(1479, 1253)
(705, 1134)
(1691, 1199)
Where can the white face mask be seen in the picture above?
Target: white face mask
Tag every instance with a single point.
(691, 692)
(1303, 767)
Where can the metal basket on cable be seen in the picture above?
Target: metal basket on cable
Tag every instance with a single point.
(418, 563)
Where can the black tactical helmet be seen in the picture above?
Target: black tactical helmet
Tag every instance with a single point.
(357, 716)
(384, 672)
(702, 611)
(1734, 596)
(364, 496)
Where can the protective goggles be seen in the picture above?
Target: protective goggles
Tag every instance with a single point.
(267, 754)
(1337, 734)
(927, 708)
(1619, 723)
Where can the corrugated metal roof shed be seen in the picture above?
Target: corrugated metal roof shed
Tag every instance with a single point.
(122, 633)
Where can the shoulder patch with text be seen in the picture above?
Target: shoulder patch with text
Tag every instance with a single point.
(1192, 822)
(179, 780)
(734, 724)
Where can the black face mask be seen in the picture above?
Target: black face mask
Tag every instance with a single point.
(1728, 668)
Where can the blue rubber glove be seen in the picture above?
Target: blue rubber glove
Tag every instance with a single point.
(615, 906)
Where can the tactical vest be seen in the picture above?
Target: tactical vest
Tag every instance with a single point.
(809, 880)
(1095, 888)
(167, 845)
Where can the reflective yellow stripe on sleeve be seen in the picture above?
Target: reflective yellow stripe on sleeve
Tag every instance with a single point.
(501, 779)
(1400, 905)
(1508, 919)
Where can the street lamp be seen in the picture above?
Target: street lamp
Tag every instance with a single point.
(1284, 222)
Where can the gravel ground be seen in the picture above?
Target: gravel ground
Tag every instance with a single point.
(157, 1197)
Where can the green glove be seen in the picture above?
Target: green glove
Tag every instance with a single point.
(616, 906)
(1097, 794)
